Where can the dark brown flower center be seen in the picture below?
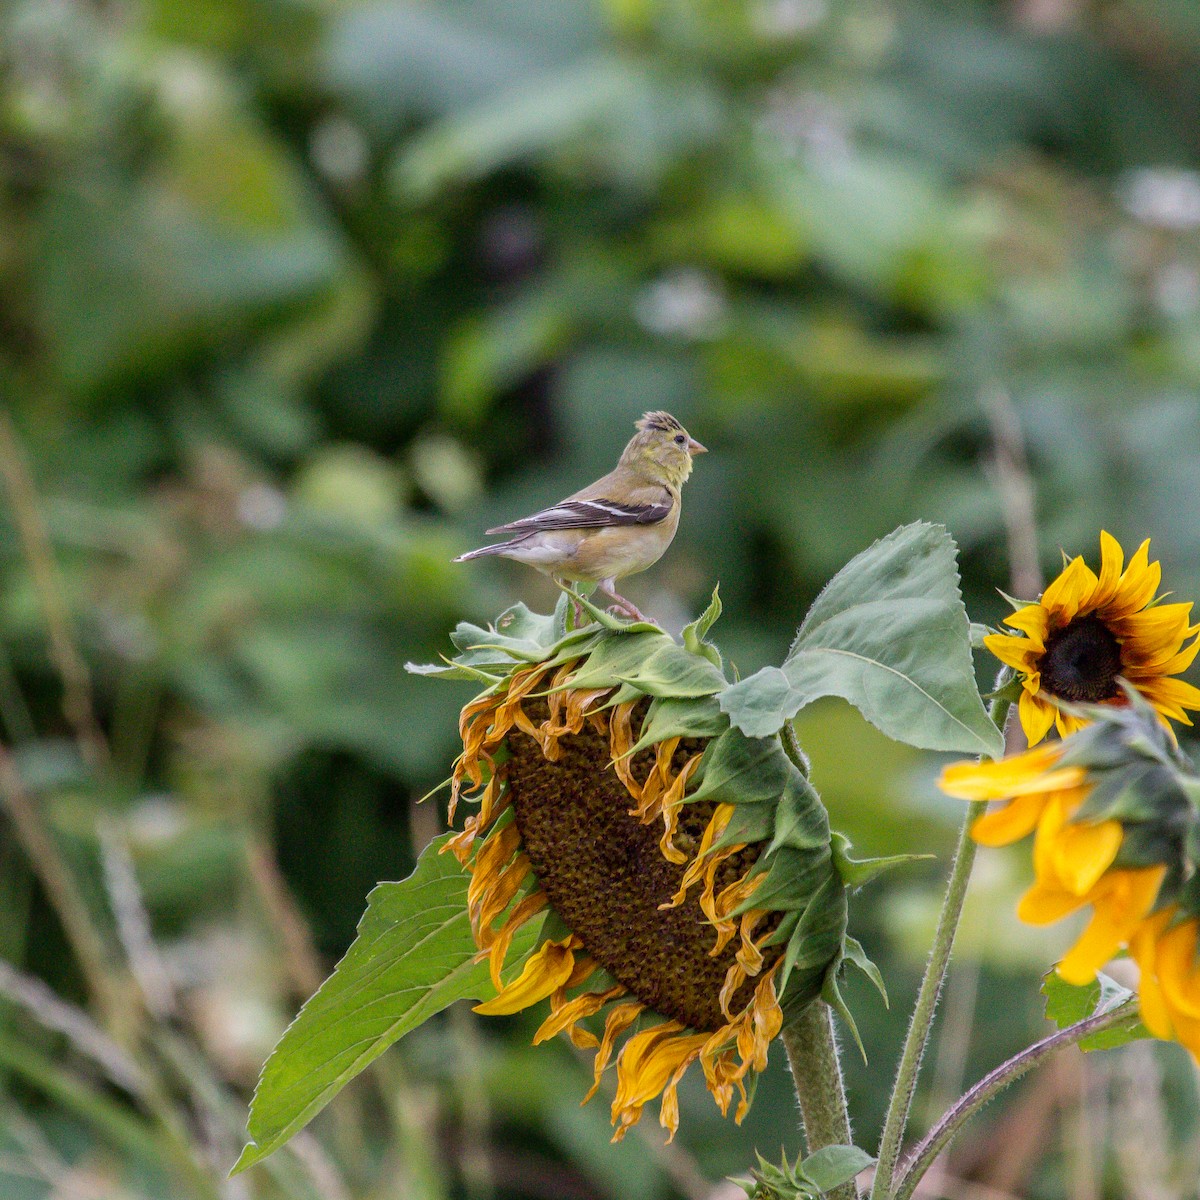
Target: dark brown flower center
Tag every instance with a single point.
(606, 877)
(1082, 662)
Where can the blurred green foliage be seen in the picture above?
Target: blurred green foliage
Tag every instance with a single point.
(297, 297)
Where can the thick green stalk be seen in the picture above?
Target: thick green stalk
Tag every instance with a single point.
(927, 997)
(813, 1053)
(817, 1072)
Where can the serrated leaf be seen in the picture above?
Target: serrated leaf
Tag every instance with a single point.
(890, 634)
(757, 704)
(832, 1166)
(1068, 1003)
(413, 956)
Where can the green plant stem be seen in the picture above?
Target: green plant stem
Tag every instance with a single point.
(813, 1053)
(955, 1117)
(931, 988)
(817, 1073)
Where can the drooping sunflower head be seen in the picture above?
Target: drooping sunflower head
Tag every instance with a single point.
(683, 871)
(1089, 632)
(1114, 816)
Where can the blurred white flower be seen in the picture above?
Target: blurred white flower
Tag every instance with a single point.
(261, 507)
(686, 303)
(339, 150)
(1163, 196)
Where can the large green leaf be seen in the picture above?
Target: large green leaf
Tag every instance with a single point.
(890, 634)
(413, 957)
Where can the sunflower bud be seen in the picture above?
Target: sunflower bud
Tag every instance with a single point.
(692, 893)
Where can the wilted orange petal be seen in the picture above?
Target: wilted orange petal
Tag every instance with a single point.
(547, 969)
(619, 1018)
(646, 1065)
(522, 911)
(564, 1015)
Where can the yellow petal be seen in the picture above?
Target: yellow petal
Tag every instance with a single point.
(1024, 772)
(1082, 853)
(1178, 974)
(1138, 584)
(1066, 594)
(1111, 559)
(1143, 948)
(1015, 820)
(1187, 1033)
(1149, 632)
(1067, 724)
(1175, 665)
(1121, 902)
(1170, 691)
(1031, 621)
(544, 972)
(1036, 717)
(1044, 904)
(1020, 653)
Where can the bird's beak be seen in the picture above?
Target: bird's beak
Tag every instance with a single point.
(694, 447)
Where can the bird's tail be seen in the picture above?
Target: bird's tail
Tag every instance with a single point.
(484, 551)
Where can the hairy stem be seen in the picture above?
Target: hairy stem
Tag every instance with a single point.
(813, 1053)
(817, 1072)
(927, 997)
(955, 1117)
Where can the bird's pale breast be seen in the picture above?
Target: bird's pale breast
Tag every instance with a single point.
(616, 552)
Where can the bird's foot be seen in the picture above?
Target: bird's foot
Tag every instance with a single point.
(626, 608)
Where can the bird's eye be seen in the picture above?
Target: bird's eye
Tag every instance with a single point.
(679, 439)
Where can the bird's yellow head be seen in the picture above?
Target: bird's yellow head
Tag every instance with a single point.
(661, 450)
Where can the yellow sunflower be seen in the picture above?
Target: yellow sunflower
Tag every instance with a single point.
(684, 873)
(1089, 631)
(1073, 858)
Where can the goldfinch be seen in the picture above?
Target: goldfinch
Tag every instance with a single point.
(617, 526)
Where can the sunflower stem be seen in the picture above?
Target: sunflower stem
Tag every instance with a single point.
(817, 1072)
(939, 1137)
(793, 749)
(919, 1028)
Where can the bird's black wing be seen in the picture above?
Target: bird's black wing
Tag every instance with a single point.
(587, 514)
